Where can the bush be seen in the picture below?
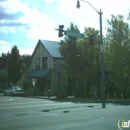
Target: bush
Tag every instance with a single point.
(127, 93)
(80, 93)
(70, 90)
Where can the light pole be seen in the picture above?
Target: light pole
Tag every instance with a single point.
(102, 53)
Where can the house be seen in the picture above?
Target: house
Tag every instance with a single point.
(45, 71)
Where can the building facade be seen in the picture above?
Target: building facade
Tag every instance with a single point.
(45, 71)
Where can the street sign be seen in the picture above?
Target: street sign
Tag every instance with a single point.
(102, 87)
(102, 48)
(72, 34)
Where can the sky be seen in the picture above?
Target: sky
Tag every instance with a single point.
(24, 22)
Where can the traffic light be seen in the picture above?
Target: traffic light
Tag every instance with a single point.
(92, 39)
(61, 30)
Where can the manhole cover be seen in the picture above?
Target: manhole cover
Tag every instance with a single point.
(90, 106)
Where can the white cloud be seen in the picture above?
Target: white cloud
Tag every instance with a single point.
(12, 11)
(3, 30)
(4, 46)
(8, 29)
(29, 51)
(7, 46)
(11, 29)
(3, 42)
(86, 16)
(4, 49)
(39, 23)
(49, 1)
(41, 27)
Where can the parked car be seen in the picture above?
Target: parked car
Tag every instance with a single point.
(14, 90)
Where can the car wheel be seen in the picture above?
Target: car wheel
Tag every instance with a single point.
(5, 94)
(11, 94)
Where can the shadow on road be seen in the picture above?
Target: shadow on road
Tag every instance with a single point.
(124, 104)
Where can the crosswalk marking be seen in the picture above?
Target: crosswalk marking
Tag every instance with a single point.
(6, 100)
(25, 103)
(13, 107)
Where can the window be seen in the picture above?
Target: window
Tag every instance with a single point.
(44, 62)
(37, 63)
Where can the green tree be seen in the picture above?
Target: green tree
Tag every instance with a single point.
(27, 60)
(90, 56)
(117, 53)
(16, 66)
(69, 52)
(82, 60)
(5, 55)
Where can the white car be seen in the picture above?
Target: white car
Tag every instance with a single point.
(14, 90)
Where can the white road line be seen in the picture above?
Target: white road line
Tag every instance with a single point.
(34, 105)
(39, 115)
(26, 103)
(6, 100)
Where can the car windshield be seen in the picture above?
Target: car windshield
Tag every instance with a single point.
(16, 87)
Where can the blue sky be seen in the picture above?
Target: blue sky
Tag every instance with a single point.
(24, 22)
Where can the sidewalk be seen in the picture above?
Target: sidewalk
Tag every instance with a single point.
(89, 100)
(82, 100)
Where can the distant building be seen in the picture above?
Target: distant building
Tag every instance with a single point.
(45, 71)
(3, 74)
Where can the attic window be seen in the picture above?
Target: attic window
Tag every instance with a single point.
(44, 63)
(37, 63)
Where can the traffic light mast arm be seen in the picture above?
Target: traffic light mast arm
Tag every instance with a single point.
(72, 34)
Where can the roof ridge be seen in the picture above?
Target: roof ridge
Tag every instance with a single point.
(49, 40)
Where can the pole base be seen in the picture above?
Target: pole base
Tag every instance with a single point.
(103, 104)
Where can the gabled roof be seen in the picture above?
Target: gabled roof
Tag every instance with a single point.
(52, 48)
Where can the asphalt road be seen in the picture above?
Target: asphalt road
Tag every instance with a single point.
(23, 113)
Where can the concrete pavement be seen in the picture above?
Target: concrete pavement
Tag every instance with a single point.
(31, 113)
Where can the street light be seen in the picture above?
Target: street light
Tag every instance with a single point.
(102, 52)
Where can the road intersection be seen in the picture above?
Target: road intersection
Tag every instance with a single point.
(45, 114)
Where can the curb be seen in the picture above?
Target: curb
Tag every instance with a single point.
(73, 99)
(81, 99)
